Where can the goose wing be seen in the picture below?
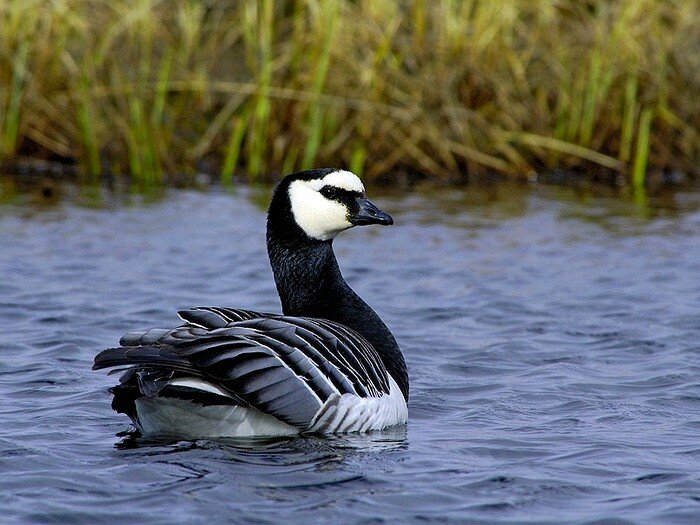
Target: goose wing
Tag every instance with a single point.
(285, 366)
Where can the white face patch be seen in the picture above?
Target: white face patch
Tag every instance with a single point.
(319, 217)
(345, 180)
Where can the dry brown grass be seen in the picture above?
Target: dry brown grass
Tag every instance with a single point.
(446, 88)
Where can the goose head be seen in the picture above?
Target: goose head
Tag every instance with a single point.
(319, 204)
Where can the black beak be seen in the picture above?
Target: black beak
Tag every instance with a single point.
(367, 213)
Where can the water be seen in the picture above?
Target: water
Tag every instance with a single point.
(553, 343)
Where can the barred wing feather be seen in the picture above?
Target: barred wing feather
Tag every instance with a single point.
(284, 366)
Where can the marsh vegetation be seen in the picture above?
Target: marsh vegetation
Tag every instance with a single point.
(449, 89)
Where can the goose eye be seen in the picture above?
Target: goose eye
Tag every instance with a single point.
(329, 192)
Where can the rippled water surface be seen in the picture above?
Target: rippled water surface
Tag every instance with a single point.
(553, 343)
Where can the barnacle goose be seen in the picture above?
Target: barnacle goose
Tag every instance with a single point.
(328, 364)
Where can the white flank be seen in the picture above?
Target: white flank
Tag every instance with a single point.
(198, 384)
(159, 416)
(350, 413)
(177, 417)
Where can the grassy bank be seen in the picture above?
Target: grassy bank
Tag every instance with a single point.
(446, 88)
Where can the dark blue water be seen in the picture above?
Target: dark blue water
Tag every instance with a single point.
(553, 343)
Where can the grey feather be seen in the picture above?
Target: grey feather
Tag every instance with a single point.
(285, 366)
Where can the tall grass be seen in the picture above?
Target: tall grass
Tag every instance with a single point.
(448, 88)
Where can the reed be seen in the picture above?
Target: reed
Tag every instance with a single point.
(447, 88)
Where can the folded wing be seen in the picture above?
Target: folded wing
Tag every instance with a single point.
(284, 366)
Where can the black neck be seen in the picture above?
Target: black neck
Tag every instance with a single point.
(310, 284)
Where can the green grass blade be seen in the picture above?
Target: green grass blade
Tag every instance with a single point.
(641, 157)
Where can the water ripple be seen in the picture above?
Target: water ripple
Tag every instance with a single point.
(552, 345)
